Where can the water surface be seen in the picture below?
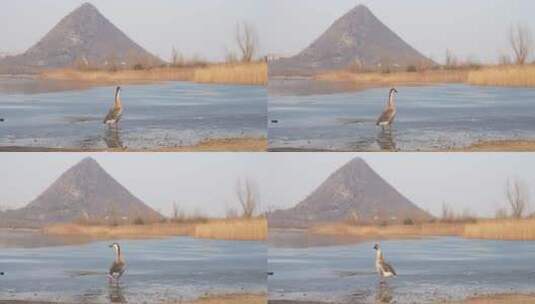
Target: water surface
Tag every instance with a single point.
(155, 116)
(429, 270)
(157, 271)
(429, 118)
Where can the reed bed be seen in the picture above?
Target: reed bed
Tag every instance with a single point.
(396, 78)
(503, 76)
(240, 73)
(235, 229)
(103, 76)
(506, 76)
(128, 231)
(514, 230)
(225, 229)
(393, 231)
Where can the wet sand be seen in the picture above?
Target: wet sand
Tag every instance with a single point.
(502, 146)
(210, 145)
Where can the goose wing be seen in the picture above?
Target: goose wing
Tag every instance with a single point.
(388, 268)
(113, 115)
(387, 116)
(117, 269)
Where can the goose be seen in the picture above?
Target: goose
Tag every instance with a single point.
(384, 269)
(114, 115)
(119, 266)
(389, 113)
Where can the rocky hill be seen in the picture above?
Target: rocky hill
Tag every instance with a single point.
(84, 192)
(359, 40)
(84, 38)
(354, 192)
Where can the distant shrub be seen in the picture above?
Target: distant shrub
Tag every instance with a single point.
(138, 67)
(408, 221)
(139, 221)
(411, 68)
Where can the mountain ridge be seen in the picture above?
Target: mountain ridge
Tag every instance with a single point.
(83, 38)
(353, 192)
(83, 192)
(356, 39)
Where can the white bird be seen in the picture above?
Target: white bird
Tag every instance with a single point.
(389, 113)
(384, 269)
(115, 113)
(118, 267)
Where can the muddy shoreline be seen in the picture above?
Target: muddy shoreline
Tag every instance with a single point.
(245, 144)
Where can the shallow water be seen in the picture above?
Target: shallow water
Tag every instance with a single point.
(157, 270)
(428, 270)
(429, 118)
(155, 115)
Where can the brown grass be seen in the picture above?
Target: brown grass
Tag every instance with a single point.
(506, 229)
(240, 73)
(396, 78)
(238, 229)
(516, 230)
(229, 299)
(505, 76)
(227, 229)
(245, 144)
(502, 146)
(251, 73)
(393, 231)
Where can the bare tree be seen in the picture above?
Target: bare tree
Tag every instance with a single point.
(175, 211)
(247, 41)
(174, 57)
(517, 195)
(451, 61)
(247, 194)
(521, 42)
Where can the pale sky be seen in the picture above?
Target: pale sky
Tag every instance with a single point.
(474, 28)
(206, 181)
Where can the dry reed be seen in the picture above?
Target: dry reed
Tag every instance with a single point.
(228, 229)
(396, 78)
(517, 230)
(393, 231)
(506, 76)
(236, 229)
(250, 73)
(240, 73)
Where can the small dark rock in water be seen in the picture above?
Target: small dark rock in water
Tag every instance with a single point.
(270, 273)
(274, 121)
(1, 119)
(1, 273)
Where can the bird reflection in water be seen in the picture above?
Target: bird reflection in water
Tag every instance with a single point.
(386, 140)
(112, 137)
(384, 293)
(116, 294)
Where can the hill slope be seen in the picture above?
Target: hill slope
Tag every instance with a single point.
(357, 38)
(84, 37)
(353, 190)
(84, 191)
